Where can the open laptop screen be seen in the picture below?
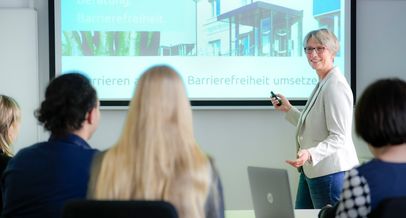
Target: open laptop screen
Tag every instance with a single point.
(270, 192)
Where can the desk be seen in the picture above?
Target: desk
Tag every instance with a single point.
(250, 213)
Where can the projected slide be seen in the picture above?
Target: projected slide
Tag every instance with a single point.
(223, 49)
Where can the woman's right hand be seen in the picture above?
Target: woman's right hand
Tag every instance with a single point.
(285, 106)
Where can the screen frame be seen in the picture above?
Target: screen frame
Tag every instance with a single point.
(247, 104)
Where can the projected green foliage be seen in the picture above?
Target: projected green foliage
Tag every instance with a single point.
(112, 43)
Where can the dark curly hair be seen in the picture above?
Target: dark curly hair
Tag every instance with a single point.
(380, 116)
(67, 100)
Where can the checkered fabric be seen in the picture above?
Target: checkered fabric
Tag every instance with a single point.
(355, 199)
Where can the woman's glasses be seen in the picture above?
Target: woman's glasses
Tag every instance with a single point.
(309, 50)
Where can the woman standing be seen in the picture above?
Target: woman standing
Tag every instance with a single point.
(323, 139)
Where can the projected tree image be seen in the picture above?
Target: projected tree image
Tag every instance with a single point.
(112, 43)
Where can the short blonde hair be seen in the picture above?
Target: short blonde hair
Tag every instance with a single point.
(9, 115)
(324, 37)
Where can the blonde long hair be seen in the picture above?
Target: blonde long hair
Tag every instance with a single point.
(157, 157)
(10, 116)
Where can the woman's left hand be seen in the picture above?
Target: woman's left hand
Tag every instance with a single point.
(302, 156)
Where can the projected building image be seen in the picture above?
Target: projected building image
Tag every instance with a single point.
(260, 28)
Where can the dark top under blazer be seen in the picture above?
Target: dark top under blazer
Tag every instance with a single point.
(40, 178)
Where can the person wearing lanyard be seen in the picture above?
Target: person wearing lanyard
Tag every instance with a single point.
(325, 149)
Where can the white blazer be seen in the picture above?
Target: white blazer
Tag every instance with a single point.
(324, 127)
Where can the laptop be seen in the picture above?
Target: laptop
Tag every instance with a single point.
(270, 192)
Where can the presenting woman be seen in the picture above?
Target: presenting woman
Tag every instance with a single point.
(323, 139)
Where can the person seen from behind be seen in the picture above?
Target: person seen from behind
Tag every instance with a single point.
(10, 118)
(40, 178)
(157, 156)
(381, 122)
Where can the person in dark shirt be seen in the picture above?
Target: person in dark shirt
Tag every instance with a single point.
(42, 177)
(10, 116)
(381, 122)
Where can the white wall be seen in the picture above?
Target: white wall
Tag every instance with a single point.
(237, 138)
(18, 59)
(381, 40)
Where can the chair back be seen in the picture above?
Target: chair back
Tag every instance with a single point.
(390, 208)
(118, 209)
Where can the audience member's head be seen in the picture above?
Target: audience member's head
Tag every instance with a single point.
(69, 100)
(41, 177)
(10, 116)
(380, 117)
(157, 157)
